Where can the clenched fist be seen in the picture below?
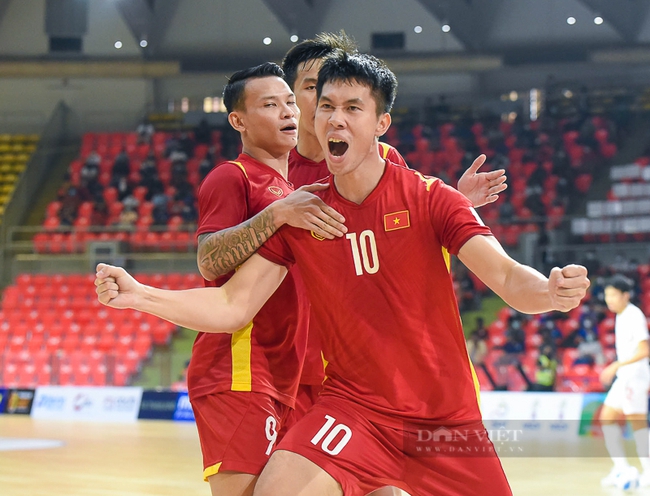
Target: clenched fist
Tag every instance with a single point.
(567, 286)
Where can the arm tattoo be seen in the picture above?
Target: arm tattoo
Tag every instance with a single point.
(223, 251)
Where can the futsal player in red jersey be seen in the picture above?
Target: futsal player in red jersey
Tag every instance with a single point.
(242, 386)
(383, 297)
(307, 165)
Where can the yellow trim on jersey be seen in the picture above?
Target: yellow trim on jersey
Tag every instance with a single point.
(477, 385)
(445, 255)
(210, 471)
(325, 364)
(240, 349)
(426, 179)
(240, 165)
(384, 150)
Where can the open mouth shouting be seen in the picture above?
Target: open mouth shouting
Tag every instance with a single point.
(337, 147)
(289, 129)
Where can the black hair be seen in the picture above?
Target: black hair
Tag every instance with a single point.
(363, 69)
(233, 92)
(622, 283)
(317, 48)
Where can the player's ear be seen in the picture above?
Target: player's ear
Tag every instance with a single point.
(236, 121)
(383, 124)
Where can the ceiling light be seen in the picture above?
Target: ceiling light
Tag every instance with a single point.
(417, 29)
(294, 38)
(143, 43)
(267, 41)
(598, 20)
(118, 44)
(571, 20)
(446, 28)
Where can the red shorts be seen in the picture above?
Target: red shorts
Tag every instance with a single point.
(363, 456)
(237, 430)
(305, 399)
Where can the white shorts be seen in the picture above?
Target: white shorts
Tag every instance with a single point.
(630, 396)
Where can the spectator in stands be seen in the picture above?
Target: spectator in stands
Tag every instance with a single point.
(148, 171)
(590, 351)
(123, 187)
(203, 132)
(506, 209)
(591, 262)
(145, 132)
(550, 334)
(477, 350)
(468, 298)
(546, 370)
(160, 212)
(121, 165)
(205, 167)
(69, 206)
(127, 219)
(186, 145)
(181, 383)
(515, 339)
(93, 160)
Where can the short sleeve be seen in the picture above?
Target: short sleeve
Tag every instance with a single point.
(222, 199)
(277, 249)
(453, 218)
(394, 156)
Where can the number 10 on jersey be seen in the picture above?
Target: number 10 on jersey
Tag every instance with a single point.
(364, 252)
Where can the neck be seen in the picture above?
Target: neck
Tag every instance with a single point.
(357, 185)
(278, 161)
(309, 147)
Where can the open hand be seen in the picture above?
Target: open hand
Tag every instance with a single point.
(483, 187)
(305, 210)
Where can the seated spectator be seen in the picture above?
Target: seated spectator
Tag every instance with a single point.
(515, 339)
(127, 219)
(121, 165)
(205, 167)
(123, 187)
(551, 335)
(203, 132)
(546, 370)
(477, 349)
(145, 132)
(590, 351)
(181, 383)
(160, 209)
(69, 206)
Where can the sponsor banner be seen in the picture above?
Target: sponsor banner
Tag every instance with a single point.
(592, 404)
(4, 393)
(159, 405)
(546, 414)
(184, 410)
(19, 401)
(100, 404)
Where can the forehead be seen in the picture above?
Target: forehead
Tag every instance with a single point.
(346, 90)
(309, 69)
(271, 86)
(612, 291)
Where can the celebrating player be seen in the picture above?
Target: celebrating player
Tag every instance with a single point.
(384, 304)
(242, 385)
(628, 396)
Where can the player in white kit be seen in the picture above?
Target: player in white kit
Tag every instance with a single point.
(628, 396)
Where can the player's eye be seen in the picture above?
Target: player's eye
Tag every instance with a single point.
(311, 87)
(269, 104)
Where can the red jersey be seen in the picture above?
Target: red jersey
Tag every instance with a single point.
(267, 355)
(304, 171)
(383, 301)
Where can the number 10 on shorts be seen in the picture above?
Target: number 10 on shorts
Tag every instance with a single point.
(332, 432)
